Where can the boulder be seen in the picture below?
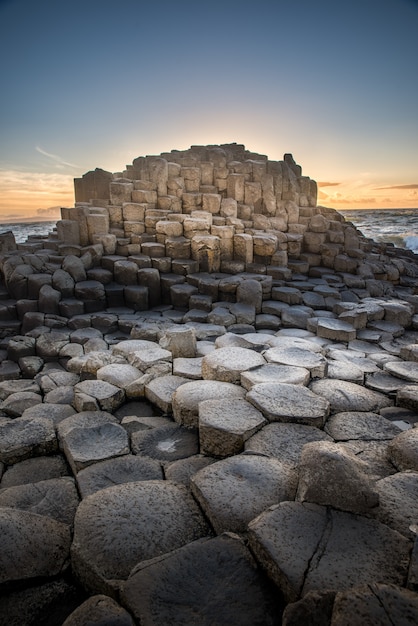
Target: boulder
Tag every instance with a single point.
(186, 398)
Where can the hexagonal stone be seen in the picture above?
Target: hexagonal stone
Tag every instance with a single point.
(332, 475)
(407, 397)
(281, 402)
(226, 364)
(24, 437)
(346, 396)
(34, 470)
(271, 373)
(225, 425)
(298, 357)
(160, 391)
(86, 445)
(184, 587)
(104, 396)
(117, 528)
(188, 368)
(343, 370)
(363, 425)
(234, 491)
(384, 383)
(398, 502)
(284, 441)
(371, 604)
(16, 403)
(335, 329)
(403, 450)
(99, 610)
(166, 443)
(32, 546)
(186, 398)
(7, 387)
(9, 370)
(307, 547)
(119, 374)
(407, 370)
(123, 469)
(56, 498)
(141, 353)
(182, 470)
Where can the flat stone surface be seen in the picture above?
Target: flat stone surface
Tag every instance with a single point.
(403, 450)
(363, 425)
(284, 441)
(166, 443)
(7, 387)
(119, 374)
(335, 329)
(271, 373)
(343, 396)
(107, 396)
(225, 425)
(117, 528)
(308, 547)
(123, 469)
(184, 587)
(344, 370)
(407, 370)
(332, 475)
(188, 367)
(34, 470)
(187, 397)
(384, 383)
(56, 498)
(16, 403)
(234, 491)
(160, 391)
(86, 445)
(32, 545)
(24, 437)
(281, 402)
(182, 470)
(398, 502)
(226, 364)
(298, 357)
(407, 397)
(140, 353)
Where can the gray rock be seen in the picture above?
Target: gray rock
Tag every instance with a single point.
(84, 446)
(407, 397)
(9, 387)
(315, 609)
(188, 368)
(166, 443)
(181, 342)
(332, 475)
(56, 498)
(271, 373)
(34, 470)
(234, 491)
(187, 397)
(160, 391)
(284, 441)
(226, 364)
(119, 374)
(403, 450)
(345, 371)
(184, 587)
(24, 437)
(33, 546)
(182, 470)
(307, 547)
(335, 329)
(225, 425)
(123, 469)
(118, 527)
(106, 397)
(99, 610)
(407, 370)
(16, 403)
(281, 402)
(398, 506)
(298, 357)
(54, 412)
(346, 396)
(362, 425)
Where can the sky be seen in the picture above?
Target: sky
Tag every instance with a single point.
(96, 83)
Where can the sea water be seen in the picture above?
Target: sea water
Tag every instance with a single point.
(397, 226)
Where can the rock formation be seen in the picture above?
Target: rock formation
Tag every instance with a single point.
(208, 405)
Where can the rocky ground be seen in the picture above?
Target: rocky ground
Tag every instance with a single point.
(237, 463)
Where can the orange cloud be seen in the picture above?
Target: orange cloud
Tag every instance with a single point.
(412, 186)
(328, 184)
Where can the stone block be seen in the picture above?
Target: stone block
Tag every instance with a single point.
(205, 249)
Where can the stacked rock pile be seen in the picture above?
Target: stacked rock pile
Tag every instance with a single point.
(239, 448)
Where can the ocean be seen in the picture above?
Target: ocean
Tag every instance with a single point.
(397, 226)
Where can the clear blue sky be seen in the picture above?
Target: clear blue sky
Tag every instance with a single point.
(98, 83)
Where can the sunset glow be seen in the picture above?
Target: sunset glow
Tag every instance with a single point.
(89, 88)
